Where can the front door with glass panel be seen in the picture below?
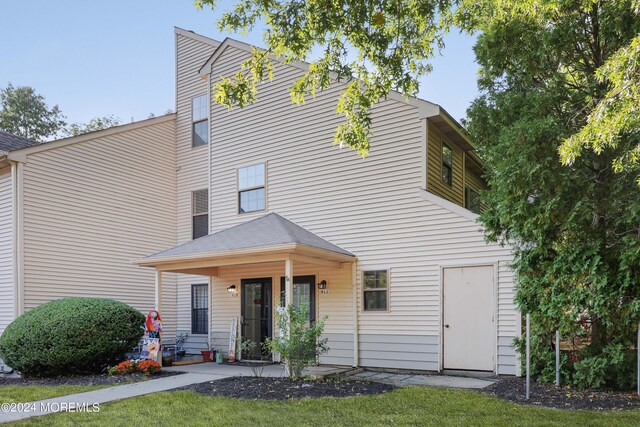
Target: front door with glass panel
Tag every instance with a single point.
(256, 314)
(304, 291)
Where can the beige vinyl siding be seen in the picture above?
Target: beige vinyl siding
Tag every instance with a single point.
(370, 207)
(7, 284)
(473, 181)
(91, 207)
(192, 167)
(336, 304)
(509, 321)
(455, 192)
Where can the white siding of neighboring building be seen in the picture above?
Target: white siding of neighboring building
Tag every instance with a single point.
(192, 163)
(370, 207)
(7, 284)
(91, 207)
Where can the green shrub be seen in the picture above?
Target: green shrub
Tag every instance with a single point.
(300, 343)
(70, 336)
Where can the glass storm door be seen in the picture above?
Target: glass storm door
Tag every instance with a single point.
(256, 313)
(304, 292)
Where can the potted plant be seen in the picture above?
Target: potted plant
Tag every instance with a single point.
(208, 355)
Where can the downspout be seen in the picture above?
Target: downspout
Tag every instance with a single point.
(17, 171)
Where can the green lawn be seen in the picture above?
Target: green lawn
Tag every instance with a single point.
(406, 406)
(29, 393)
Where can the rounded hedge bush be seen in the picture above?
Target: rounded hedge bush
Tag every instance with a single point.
(71, 336)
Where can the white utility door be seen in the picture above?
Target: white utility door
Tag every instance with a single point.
(468, 322)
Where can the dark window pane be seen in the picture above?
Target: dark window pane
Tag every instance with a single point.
(375, 300)
(446, 174)
(200, 133)
(252, 200)
(199, 309)
(200, 226)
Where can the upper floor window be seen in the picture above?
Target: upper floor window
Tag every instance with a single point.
(251, 188)
(200, 122)
(376, 290)
(447, 164)
(472, 200)
(200, 213)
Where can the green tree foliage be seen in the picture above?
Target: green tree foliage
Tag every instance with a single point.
(300, 343)
(372, 47)
(72, 335)
(615, 122)
(576, 229)
(95, 124)
(25, 113)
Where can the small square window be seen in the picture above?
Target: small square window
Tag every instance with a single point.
(375, 289)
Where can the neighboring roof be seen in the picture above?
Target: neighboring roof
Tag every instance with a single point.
(57, 143)
(269, 230)
(10, 142)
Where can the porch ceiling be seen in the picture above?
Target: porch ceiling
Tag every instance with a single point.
(270, 238)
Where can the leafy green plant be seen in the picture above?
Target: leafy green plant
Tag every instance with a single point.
(252, 348)
(300, 342)
(73, 335)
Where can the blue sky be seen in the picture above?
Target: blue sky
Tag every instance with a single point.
(95, 58)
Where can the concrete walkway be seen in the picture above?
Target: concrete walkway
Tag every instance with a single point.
(400, 380)
(57, 404)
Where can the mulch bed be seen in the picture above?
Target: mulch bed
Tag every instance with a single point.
(88, 380)
(547, 395)
(271, 388)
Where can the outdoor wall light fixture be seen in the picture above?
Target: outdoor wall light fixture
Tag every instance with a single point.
(232, 289)
(322, 285)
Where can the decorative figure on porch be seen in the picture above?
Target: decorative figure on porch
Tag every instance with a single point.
(151, 343)
(153, 324)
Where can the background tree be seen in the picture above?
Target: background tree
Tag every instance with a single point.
(97, 123)
(25, 113)
(372, 47)
(552, 72)
(576, 228)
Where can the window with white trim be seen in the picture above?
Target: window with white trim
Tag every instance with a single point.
(200, 121)
(251, 188)
(199, 213)
(376, 290)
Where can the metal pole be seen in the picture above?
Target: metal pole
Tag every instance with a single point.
(557, 358)
(528, 355)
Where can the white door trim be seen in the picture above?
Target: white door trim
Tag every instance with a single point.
(441, 268)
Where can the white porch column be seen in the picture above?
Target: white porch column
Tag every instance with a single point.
(356, 338)
(158, 307)
(158, 302)
(288, 282)
(288, 299)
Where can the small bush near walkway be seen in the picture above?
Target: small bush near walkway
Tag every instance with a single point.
(71, 336)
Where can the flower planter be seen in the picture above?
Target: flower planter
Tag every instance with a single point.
(208, 356)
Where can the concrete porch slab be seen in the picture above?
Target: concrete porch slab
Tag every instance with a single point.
(401, 380)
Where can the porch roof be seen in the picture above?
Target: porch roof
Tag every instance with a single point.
(265, 239)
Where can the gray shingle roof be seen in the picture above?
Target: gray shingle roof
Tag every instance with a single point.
(10, 142)
(269, 230)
